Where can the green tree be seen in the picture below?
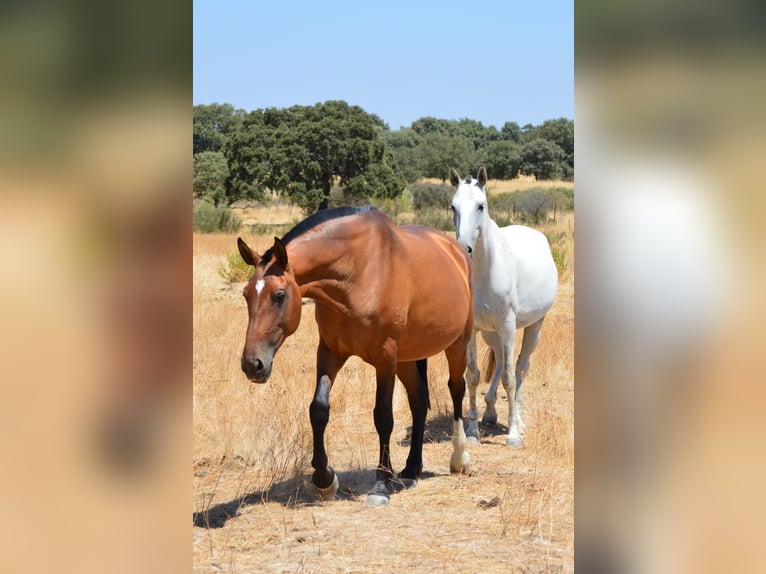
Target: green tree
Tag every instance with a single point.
(210, 172)
(402, 144)
(300, 151)
(510, 132)
(560, 132)
(438, 152)
(502, 159)
(247, 152)
(430, 125)
(212, 123)
(474, 132)
(541, 158)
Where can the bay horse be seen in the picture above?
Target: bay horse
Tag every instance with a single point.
(515, 284)
(393, 296)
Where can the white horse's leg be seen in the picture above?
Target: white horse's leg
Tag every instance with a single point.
(508, 379)
(528, 345)
(472, 380)
(493, 341)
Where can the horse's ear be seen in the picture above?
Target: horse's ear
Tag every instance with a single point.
(248, 255)
(482, 176)
(454, 178)
(280, 252)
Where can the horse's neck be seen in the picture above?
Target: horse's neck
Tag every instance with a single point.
(321, 273)
(487, 244)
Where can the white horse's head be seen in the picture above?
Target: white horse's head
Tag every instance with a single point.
(469, 207)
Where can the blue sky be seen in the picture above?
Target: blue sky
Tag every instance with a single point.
(489, 61)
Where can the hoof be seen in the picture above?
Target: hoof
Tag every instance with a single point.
(329, 492)
(378, 496)
(470, 439)
(466, 469)
(489, 419)
(461, 466)
(377, 500)
(514, 441)
(406, 483)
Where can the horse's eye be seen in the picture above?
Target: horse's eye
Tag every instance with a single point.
(481, 207)
(279, 297)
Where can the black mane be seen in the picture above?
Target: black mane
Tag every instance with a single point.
(313, 221)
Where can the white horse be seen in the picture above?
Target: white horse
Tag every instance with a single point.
(515, 283)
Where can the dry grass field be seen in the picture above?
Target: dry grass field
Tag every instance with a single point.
(252, 448)
(519, 183)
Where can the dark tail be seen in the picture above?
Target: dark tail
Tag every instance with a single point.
(422, 366)
(489, 365)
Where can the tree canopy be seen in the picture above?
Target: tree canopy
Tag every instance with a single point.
(210, 172)
(301, 152)
(212, 124)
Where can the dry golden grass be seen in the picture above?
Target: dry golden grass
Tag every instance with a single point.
(252, 451)
(519, 184)
(271, 215)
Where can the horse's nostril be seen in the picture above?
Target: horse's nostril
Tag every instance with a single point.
(252, 367)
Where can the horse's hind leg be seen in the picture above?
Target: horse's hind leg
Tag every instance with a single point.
(414, 376)
(328, 365)
(472, 379)
(507, 337)
(383, 415)
(528, 345)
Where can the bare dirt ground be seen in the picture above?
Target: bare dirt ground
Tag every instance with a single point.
(251, 512)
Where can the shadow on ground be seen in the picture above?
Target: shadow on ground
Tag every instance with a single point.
(439, 429)
(293, 492)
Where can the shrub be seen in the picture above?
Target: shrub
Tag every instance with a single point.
(235, 270)
(427, 195)
(273, 229)
(437, 218)
(209, 219)
(501, 208)
(394, 206)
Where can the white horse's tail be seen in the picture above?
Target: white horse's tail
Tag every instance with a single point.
(489, 365)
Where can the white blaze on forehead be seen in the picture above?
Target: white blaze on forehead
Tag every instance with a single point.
(259, 286)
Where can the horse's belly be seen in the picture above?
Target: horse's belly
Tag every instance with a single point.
(485, 319)
(413, 346)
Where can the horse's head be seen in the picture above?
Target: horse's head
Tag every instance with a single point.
(274, 307)
(469, 207)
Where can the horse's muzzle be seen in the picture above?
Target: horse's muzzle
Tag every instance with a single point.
(255, 369)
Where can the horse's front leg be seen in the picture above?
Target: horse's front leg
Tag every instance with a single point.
(456, 361)
(472, 379)
(494, 342)
(384, 424)
(328, 364)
